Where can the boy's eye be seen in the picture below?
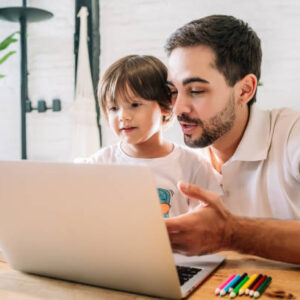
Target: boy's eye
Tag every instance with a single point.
(113, 108)
(136, 104)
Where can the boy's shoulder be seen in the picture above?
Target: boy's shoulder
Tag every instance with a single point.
(103, 155)
(190, 152)
(197, 168)
(190, 155)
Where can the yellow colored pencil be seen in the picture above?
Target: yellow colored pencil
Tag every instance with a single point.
(247, 284)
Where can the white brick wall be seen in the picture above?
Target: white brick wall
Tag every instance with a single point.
(51, 68)
(141, 27)
(51, 62)
(10, 95)
(131, 26)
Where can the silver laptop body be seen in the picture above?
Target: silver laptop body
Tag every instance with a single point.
(95, 224)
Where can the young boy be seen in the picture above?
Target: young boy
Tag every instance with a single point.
(137, 104)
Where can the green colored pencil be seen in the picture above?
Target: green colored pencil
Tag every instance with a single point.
(237, 288)
(262, 287)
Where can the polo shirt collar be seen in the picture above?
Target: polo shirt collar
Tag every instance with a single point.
(255, 143)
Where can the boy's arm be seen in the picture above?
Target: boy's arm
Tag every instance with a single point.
(213, 228)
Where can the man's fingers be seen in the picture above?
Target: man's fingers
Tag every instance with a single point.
(174, 224)
(177, 238)
(178, 249)
(193, 191)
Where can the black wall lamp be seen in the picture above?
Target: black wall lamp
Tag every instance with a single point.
(23, 15)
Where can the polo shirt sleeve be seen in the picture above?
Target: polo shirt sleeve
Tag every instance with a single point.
(293, 149)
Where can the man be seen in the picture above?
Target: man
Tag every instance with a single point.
(214, 69)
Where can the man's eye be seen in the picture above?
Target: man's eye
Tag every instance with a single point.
(197, 92)
(172, 93)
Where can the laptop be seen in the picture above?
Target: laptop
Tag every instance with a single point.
(95, 224)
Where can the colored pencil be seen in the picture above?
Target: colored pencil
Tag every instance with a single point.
(224, 291)
(263, 286)
(219, 288)
(235, 292)
(264, 277)
(238, 282)
(253, 284)
(247, 284)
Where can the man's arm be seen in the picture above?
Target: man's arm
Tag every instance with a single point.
(213, 228)
(273, 239)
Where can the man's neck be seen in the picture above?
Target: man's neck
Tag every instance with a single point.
(223, 149)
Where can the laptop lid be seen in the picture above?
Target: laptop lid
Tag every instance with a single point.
(95, 224)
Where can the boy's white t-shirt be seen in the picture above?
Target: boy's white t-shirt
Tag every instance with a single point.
(180, 164)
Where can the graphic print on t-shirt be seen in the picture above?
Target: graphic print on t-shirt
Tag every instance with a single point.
(165, 200)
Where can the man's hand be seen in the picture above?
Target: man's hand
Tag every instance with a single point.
(207, 229)
(211, 228)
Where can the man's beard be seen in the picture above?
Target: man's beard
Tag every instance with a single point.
(212, 129)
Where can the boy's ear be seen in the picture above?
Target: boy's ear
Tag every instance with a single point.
(164, 112)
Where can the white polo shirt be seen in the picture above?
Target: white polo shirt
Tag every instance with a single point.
(262, 178)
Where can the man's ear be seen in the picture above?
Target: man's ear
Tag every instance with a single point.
(246, 88)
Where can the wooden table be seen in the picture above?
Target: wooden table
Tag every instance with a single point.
(15, 285)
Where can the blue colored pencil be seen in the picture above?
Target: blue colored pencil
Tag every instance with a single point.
(225, 290)
(238, 282)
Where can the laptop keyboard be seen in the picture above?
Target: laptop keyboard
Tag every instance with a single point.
(186, 273)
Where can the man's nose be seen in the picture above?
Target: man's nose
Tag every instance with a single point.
(181, 105)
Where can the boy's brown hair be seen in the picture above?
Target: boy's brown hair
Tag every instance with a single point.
(144, 75)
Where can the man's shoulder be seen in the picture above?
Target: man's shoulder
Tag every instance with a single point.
(285, 135)
(284, 120)
(284, 115)
(275, 122)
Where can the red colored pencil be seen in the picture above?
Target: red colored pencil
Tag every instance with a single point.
(253, 284)
(257, 285)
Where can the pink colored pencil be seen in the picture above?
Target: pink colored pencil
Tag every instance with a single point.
(218, 289)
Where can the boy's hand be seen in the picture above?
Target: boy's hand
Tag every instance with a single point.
(205, 230)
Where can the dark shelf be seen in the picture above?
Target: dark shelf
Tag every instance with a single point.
(13, 14)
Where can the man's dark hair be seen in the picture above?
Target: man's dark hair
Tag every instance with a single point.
(236, 45)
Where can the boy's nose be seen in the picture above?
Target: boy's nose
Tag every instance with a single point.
(124, 115)
(181, 105)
